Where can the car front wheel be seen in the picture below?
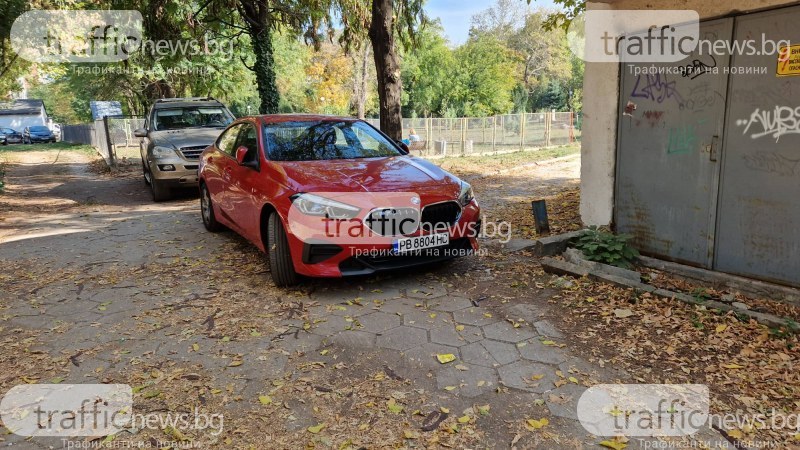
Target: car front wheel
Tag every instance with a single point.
(160, 193)
(280, 257)
(207, 211)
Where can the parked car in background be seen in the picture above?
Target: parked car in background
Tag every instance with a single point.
(273, 179)
(9, 136)
(176, 132)
(56, 129)
(37, 133)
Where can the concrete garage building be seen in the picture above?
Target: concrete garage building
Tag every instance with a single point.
(702, 167)
(21, 113)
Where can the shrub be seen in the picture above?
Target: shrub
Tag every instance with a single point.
(607, 248)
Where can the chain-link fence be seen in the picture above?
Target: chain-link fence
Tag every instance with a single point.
(438, 137)
(111, 136)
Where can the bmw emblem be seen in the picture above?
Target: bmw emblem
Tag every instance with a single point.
(415, 200)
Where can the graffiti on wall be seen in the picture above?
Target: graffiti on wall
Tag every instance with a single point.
(656, 88)
(779, 122)
(772, 162)
(683, 139)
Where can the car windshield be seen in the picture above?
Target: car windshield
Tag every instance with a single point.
(191, 117)
(40, 129)
(7, 130)
(325, 140)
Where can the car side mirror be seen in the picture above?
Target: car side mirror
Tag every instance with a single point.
(140, 132)
(403, 147)
(241, 156)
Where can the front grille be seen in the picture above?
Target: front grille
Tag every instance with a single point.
(365, 265)
(192, 153)
(393, 221)
(440, 215)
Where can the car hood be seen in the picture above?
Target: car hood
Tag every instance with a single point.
(395, 174)
(189, 137)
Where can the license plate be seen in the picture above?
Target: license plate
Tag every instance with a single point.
(421, 242)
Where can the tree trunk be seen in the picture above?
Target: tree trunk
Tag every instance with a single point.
(361, 94)
(387, 65)
(264, 68)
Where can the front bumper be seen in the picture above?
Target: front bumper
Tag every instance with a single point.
(329, 259)
(184, 172)
(41, 138)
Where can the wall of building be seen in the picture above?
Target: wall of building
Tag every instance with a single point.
(601, 100)
(19, 122)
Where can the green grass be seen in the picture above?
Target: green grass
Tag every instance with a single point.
(55, 146)
(489, 163)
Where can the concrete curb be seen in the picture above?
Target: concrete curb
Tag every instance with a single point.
(559, 267)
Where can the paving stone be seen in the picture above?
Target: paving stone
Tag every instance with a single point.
(529, 313)
(353, 339)
(403, 338)
(504, 331)
(446, 333)
(502, 352)
(400, 305)
(426, 292)
(450, 304)
(422, 319)
(476, 353)
(379, 322)
(475, 381)
(563, 401)
(424, 356)
(519, 375)
(534, 350)
(330, 325)
(580, 367)
(547, 329)
(474, 316)
(302, 342)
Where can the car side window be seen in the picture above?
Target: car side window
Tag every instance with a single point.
(227, 141)
(248, 138)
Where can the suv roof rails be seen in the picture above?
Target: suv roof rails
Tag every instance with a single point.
(186, 99)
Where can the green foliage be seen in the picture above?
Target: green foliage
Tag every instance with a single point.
(483, 79)
(604, 247)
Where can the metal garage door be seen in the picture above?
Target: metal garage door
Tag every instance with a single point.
(669, 137)
(758, 223)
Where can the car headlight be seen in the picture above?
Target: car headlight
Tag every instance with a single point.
(314, 205)
(163, 152)
(466, 195)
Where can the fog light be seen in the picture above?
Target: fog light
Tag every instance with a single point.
(166, 167)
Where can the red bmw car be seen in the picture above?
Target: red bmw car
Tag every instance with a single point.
(331, 197)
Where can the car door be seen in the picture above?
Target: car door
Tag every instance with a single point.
(217, 172)
(243, 184)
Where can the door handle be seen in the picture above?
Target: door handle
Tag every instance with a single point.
(713, 148)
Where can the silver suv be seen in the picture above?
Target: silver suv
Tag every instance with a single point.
(175, 133)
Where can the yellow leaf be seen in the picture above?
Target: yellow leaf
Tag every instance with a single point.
(265, 400)
(450, 388)
(236, 363)
(316, 429)
(459, 327)
(445, 410)
(573, 380)
(614, 444)
(363, 426)
(306, 326)
(195, 347)
(324, 352)
(533, 424)
(721, 328)
(408, 434)
(736, 434)
(394, 407)
(484, 410)
(487, 315)
(463, 419)
(537, 377)
(548, 343)
(732, 366)
(432, 315)
(445, 358)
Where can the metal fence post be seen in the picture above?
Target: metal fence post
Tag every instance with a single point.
(494, 134)
(522, 132)
(111, 160)
(548, 126)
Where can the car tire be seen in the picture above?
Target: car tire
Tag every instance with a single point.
(207, 211)
(145, 174)
(280, 257)
(160, 193)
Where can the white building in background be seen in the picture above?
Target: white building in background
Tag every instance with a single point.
(21, 113)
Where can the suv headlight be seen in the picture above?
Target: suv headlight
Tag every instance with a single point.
(314, 205)
(466, 195)
(160, 152)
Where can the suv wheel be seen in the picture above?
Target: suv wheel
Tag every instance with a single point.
(160, 193)
(207, 211)
(145, 174)
(280, 258)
